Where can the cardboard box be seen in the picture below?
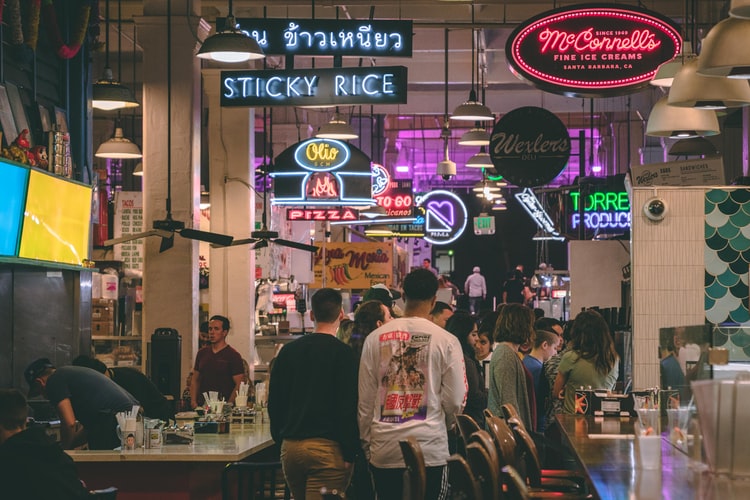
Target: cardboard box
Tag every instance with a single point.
(103, 327)
(103, 302)
(102, 313)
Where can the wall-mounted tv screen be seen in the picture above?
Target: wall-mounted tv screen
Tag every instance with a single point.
(57, 220)
(13, 196)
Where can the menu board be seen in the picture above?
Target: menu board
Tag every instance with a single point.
(699, 172)
(354, 265)
(129, 220)
(13, 193)
(57, 220)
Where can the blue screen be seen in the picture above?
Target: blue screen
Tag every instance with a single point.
(13, 196)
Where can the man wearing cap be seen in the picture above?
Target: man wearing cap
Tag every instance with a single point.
(384, 295)
(412, 382)
(83, 395)
(476, 288)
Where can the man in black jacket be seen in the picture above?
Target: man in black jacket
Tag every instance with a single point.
(32, 466)
(312, 403)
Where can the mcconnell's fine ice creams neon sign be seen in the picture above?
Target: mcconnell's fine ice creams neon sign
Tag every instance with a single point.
(592, 50)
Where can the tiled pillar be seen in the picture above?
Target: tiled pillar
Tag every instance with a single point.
(231, 146)
(170, 284)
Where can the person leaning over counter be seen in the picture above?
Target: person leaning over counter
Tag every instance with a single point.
(153, 402)
(218, 366)
(81, 394)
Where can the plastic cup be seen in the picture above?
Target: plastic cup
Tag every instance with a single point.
(647, 448)
(649, 419)
(678, 420)
(240, 401)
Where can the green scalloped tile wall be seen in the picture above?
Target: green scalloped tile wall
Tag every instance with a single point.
(727, 259)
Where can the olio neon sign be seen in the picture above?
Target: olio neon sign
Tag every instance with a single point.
(592, 50)
(322, 155)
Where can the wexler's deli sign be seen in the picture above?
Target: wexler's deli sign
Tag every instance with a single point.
(354, 265)
(314, 87)
(329, 37)
(322, 172)
(529, 146)
(592, 50)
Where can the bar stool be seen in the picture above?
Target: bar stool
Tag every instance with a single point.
(416, 470)
(466, 427)
(462, 480)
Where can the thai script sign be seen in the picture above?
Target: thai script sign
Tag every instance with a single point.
(529, 146)
(354, 265)
(322, 172)
(329, 37)
(592, 50)
(314, 87)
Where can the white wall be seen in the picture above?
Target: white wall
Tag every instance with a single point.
(596, 273)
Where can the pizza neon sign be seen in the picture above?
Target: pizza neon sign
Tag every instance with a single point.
(592, 50)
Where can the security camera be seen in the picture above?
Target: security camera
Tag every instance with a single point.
(655, 209)
(446, 169)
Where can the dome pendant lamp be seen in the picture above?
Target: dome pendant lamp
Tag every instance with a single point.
(726, 52)
(119, 147)
(680, 123)
(692, 90)
(230, 45)
(740, 9)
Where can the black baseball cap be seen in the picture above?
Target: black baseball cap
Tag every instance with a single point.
(382, 294)
(33, 372)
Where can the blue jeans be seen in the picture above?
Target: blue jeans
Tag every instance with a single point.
(312, 464)
(475, 304)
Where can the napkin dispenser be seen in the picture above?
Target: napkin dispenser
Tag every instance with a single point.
(178, 435)
(603, 404)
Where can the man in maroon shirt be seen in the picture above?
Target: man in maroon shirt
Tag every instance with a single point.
(218, 366)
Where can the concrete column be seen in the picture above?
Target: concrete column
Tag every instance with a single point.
(170, 279)
(231, 146)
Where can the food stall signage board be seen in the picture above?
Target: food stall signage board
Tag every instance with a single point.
(328, 37)
(314, 87)
(129, 220)
(322, 172)
(529, 146)
(602, 212)
(397, 198)
(592, 50)
(354, 265)
(698, 172)
(445, 216)
(322, 214)
(530, 203)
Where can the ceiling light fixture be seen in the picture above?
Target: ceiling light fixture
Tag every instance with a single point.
(446, 168)
(696, 146)
(477, 136)
(230, 45)
(725, 51)
(118, 147)
(472, 110)
(138, 170)
(337, 128)
(680, 123)
(740, 9)
(692, 90)
(107, 93)
(480, 160)
(665, 74)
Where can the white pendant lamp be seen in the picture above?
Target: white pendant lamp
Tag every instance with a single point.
(472, 110)
(118, 147)
(665, 74)
(726, 51)
(475, 137)
(480, 160)
(337, 128)
(138, 170)
(230, 45)
(740, 9)
(692, 90)
(680, 123)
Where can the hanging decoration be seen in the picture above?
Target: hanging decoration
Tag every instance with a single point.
(63, 50)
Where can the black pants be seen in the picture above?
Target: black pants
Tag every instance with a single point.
(389, 483)
(101, 432)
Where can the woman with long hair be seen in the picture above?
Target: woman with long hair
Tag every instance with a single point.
(369, 316)
(464, 327)
(508, 379)
(591, 361)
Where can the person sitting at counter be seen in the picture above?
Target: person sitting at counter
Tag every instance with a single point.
(153, 402)
(218, 366)
(81, 394)
(32, 465)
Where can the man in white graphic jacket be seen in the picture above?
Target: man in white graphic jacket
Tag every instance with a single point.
(412, 382)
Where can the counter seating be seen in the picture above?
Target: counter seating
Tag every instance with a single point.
(416, 472)
(253, 480)
(486, 471)
(466, 427)
(462, 480)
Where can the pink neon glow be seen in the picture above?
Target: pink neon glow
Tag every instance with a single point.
(596, 168)
(585, 41)
(617, 14)
(402, 168)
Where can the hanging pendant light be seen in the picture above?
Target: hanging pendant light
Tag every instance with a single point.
(665, 74)
(740, 9)
(680, 123)
(480, 160)
(118, 147)
(472, 110)
(337, 128)
(477, 136)
(692, 90)
(696, 146)
(230, 45)
(138, 170)
(107, 93)
(725, 51)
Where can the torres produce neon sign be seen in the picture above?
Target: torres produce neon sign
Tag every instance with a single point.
(602, 211)
(592, 50)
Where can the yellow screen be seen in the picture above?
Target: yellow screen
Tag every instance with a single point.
(57, 220)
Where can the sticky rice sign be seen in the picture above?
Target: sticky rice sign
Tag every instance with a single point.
(592, 50)
(354, 265)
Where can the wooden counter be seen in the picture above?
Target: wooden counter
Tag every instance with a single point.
(174, 472)
(604, 449)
